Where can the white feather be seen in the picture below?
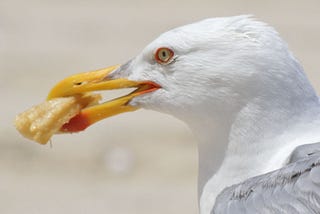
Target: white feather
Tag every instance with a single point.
(238, 87)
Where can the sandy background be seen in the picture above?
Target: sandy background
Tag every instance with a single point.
(142, 162)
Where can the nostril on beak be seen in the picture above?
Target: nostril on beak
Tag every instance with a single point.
(80, 83)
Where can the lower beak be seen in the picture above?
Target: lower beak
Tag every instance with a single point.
(97, 81)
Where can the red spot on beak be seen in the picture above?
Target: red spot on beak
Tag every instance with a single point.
(76, 124)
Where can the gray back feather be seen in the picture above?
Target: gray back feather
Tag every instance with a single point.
(292, 189)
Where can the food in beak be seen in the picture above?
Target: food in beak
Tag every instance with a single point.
(42, 121)
(71, 108)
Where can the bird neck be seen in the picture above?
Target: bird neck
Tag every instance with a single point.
(236, 145)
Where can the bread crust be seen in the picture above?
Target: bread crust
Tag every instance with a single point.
(42, 121)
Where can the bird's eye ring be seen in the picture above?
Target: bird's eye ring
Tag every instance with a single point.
(164, 55)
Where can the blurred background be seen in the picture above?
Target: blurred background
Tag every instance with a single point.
(141, 162)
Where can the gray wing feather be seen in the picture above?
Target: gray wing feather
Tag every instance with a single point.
(292, 189)
(304, 151)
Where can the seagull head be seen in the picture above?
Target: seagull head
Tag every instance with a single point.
(215, 65)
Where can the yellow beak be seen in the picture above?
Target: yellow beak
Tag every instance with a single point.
(97, 81)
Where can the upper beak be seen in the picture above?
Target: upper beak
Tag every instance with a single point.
(96, 81)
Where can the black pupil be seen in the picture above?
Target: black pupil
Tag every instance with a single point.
(164, 54)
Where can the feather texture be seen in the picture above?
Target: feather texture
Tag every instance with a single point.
(294, 188)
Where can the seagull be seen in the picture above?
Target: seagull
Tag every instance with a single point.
(246, 98)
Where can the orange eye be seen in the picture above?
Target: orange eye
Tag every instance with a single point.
(164, 55)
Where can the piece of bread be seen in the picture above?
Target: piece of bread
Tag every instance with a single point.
(40, 122)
